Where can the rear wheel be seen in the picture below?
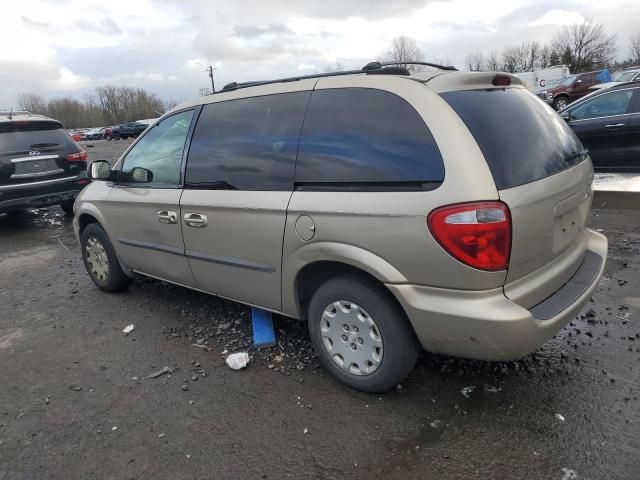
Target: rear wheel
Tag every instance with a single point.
(116, 136)
(101, 261)
(67, 206)
(361, 334)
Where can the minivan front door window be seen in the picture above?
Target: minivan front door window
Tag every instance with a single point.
(160, 152)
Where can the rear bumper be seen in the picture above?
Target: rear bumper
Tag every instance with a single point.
(486, 325)
(41, 194)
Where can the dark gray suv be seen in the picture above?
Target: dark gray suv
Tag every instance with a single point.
(40, 164)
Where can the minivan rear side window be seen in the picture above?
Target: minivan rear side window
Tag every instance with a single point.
(522, 139)
(247, 144)
(366, 137)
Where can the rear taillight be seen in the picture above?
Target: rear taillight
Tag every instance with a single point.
(478, 234)
(80, 156)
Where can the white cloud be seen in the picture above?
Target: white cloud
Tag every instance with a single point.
(165, 46)
(558, 17)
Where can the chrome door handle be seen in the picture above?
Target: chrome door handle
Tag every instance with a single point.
(196, 220)
(167, 216)
(614, 125)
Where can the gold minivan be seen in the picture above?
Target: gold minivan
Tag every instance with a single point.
(391, 210)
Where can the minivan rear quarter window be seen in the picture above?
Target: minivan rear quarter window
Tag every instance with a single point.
(522, 139)
(247, 144)
(363, 136)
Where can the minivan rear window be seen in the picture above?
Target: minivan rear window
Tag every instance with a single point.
(522, 138)
(22, 137)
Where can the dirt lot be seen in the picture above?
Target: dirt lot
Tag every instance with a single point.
(75, 400)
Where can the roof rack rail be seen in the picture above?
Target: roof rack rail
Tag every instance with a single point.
(371, 68)
(12, 112)
(426, 64)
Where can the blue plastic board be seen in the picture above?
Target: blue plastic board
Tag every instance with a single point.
(263, 333)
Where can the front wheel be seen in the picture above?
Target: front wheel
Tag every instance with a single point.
(117, 136)
(101, 261)
(560, 102)
(362, 336)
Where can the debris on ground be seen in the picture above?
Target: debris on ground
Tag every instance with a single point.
(568, 474)
(75, 388)
(467, 391)
(128, 329)
(238, 360)
(161, 372)
(559, 417)
(436, 424)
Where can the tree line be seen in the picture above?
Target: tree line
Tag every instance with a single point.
(581, 47)
(109, 105)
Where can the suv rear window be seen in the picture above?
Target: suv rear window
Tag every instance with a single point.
(19, 137)
(365, 136)
(522, 139)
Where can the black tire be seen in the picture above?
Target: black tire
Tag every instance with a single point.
(116, 136)
(67, 206)
(115, 280)
(560, 102)
(400, 346)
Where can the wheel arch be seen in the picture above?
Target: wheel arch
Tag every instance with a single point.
(312, 265)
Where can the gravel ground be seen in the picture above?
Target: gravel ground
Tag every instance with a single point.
(76, 400)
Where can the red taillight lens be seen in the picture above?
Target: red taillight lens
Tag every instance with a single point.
(80, 156)
(478, 234)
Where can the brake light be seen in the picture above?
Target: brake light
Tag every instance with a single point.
(501, 80)
(477, 234)
(80, 156)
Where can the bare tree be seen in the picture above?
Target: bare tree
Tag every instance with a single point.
(510, 59)
(634, 46)
(33, 102)
(474, 61)
(404, 49)
(492, 63)
(544, 57)
(586, 46)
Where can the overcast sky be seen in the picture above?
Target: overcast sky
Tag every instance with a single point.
(68, 47)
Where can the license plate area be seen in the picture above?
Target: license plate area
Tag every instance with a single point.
(36, 167)
(568, 226)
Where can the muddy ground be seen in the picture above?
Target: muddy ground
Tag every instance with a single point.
(76, 403)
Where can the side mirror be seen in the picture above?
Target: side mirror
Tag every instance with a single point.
(578, 82)
(141, 175)
(100, 170)
(565, 116)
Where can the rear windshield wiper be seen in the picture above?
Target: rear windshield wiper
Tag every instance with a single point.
(219, 185)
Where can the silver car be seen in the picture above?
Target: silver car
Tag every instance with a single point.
(390, 210)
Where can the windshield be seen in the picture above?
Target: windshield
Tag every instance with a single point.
(569, 80)
(624, 76)
(521, 138)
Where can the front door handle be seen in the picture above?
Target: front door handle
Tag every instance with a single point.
(167, 216)
(614, 125)
(196, 220)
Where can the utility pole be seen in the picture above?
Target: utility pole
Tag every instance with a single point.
(210, 70)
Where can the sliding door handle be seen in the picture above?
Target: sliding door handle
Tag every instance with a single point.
(196, 220)
(167, 216)
(614, 125)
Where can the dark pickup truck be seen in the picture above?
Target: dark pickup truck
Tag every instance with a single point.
(126, 130)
